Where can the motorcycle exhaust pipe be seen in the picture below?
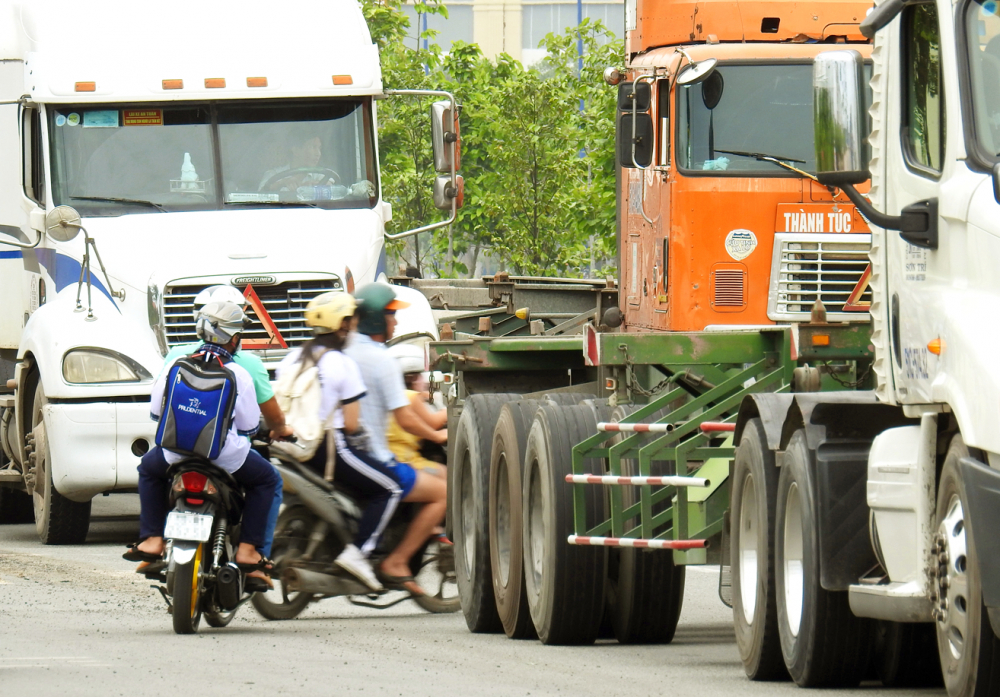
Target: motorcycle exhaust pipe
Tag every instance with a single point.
(228, 584)
(305, 581)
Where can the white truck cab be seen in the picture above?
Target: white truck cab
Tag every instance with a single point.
(221, 143)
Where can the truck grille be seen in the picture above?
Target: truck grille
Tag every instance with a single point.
(810, 267)
(284, 302)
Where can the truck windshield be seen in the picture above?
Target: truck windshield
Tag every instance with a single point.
(983, 32)
(764, 110)
(116, 159)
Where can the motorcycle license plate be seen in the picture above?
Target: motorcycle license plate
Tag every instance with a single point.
(188, 526)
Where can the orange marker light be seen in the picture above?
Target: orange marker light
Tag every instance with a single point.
(86, 87)
(215, 82)
(936, 346)
(343, 80)
(172, 84)
(256, 82)
(821, 339)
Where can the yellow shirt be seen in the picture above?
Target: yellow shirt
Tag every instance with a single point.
(406, 446)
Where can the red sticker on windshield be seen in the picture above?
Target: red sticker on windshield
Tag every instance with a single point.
(142, 117)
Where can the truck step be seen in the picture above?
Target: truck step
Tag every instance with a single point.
(637, 481)
(635, 542)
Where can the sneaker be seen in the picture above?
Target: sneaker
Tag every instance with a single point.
(352, 561)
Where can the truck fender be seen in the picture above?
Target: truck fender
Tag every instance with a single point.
(982, 491)
(771, 408)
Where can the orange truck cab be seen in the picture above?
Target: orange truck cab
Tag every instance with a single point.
(721, 221)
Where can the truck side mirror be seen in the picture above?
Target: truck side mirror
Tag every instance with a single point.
(643, 140)
(839, 119)
(62, 223)
(445, 137)
(444, 192)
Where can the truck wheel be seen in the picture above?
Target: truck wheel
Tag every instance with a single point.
(822, 642)
(752, 504)
(906, 655)
(564, 583)
(58, 520)
(15, 507)
(470, 509)
(510, 440)
(968, 650)
(645, 588)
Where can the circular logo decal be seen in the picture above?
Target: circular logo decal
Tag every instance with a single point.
(60, 120)
(73, 119)
(740, 244)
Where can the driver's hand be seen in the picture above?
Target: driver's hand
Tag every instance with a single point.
(282, 432)
(441, 437)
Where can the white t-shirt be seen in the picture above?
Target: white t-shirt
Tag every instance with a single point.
(245, 421)
(339, 379)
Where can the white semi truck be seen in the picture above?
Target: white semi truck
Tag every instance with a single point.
(146, 154)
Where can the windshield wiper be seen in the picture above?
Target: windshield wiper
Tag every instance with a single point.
(111, 199)
(310, 204)
(773, 158)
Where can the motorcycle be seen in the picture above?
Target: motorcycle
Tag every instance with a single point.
(201, 577)
(317, 520)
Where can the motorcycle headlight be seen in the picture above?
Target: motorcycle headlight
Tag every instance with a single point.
(84, 366)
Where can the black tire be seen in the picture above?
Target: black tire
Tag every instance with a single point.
(58, 520)
(436, 575)
(565, 583)
(968, 650)
(470, 477)
(16, 507)
(187, 588)
(645, 591)
(510, 440)
(291, 538)
(219, 618)
(751, 543)
(822, 642)
(905, 655)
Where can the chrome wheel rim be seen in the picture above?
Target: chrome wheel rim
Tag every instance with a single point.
(792, 547)
(952, 582)
(503, 531)
(536, 526)
(748, 548)
(468, 516)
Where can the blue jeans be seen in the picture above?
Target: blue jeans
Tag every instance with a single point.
(272, 519)
(257, 476)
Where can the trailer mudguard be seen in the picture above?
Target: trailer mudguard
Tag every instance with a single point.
(771, 408)
(982, 492)
(840, 428)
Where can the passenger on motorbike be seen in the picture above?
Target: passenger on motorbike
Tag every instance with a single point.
(404, 445)
(273, 417)
(377, 305)
(219, 326)
(331, 315)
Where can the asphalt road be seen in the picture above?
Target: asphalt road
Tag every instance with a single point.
(78, 621)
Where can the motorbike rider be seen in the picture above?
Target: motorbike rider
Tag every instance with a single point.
(266, 400)
(219, 326)
(377, 305)
(404, 445)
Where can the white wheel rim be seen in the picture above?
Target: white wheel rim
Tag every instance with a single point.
(953, 593)
(792, 547)
(468, 505)
(748, 548)
(503, 521)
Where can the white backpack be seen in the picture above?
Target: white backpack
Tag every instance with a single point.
(300, 396)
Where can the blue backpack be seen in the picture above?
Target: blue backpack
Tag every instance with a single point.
(198, 407)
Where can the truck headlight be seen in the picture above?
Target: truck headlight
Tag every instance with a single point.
(84, 366)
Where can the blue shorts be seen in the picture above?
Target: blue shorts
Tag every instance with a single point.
(405, 475)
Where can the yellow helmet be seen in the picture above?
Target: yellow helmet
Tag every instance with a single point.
(325, 313)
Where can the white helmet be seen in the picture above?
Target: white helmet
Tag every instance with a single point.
(217, 294)
(218, 322)
(410, 357)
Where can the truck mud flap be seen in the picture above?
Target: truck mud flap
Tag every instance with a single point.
(982, 491)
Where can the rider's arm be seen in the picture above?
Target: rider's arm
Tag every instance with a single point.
(275, 418)
(352, 416)
(434, 419)
(408, 420)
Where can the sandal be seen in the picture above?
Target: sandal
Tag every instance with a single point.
(256, 584)
(397, 583)
(151, 568)
(136, 554)
(264, 564)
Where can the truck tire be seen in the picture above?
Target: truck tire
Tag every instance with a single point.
(565, 583)
(969, 651)
(16, 507)
(751, 544)
(822, 642)
(58, 520)
(470, 509)
(906, 655)
(510, 440)
(645, 589)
